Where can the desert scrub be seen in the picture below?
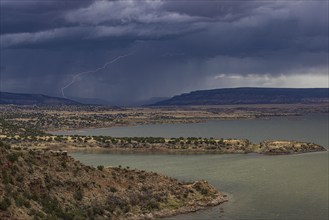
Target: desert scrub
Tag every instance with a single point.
(13, 157)
(37, 183)
(100, 167)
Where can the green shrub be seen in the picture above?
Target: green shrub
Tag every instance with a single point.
(4, 145)
(113, 189)
(13, 157)
(78, 195)
(204, 191)
(19, 178)
(100, 167)
(6, 178)
(49, 204)
(153, 205)
(5, 204)
(36, 214)
(63, 164)
(22, 201)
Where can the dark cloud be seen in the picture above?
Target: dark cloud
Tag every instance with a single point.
(176, 46)
(19, 16)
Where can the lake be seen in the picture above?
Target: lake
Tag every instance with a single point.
(259, 187)
(313, 128)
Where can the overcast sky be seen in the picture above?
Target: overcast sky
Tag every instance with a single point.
(125, 51)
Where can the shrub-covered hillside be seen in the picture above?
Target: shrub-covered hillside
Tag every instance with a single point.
(37, 184)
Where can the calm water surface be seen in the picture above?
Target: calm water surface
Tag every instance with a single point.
(306, 128)
(259, 187)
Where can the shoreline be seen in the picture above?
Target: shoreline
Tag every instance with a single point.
(118, 188)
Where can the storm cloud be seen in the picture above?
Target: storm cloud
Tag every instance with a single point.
(176, 46)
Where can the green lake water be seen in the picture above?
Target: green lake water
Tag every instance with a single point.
(259, 187)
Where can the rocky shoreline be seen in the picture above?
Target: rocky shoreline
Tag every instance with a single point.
(183, 210)
(289, 147)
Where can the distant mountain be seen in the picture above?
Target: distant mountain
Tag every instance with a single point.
(249, 96)
(91, 101)
(33, 99)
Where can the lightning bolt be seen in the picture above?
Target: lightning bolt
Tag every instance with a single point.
(78, 76)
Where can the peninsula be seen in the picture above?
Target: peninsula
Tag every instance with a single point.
(37, 184)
